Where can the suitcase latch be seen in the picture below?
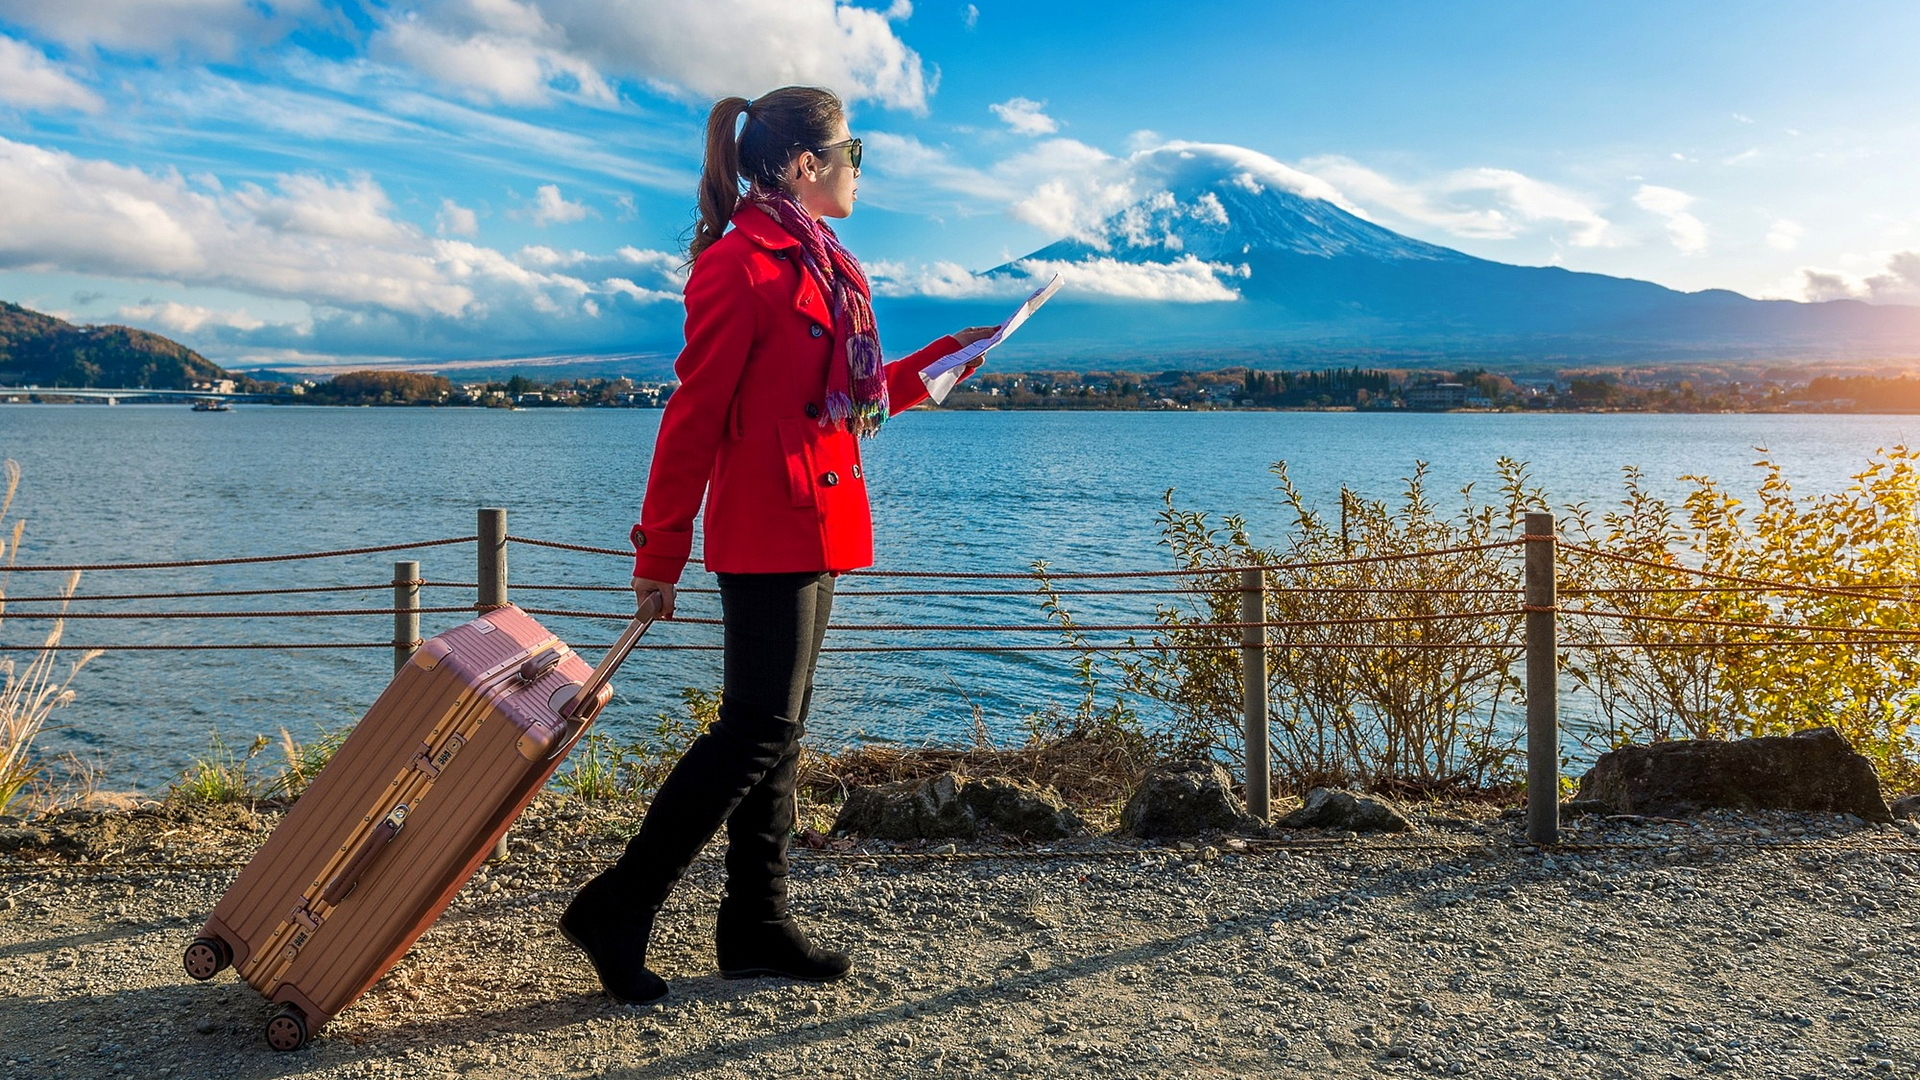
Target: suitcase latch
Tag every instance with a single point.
(431, 763)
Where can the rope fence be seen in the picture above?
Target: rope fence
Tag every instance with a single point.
(1527, 633)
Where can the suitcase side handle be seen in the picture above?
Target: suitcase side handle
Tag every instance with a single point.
(586, 702)
(376, 841)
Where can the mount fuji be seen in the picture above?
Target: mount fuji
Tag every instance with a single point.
(1224, 256)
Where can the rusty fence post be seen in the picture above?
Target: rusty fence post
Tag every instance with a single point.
(406, 613)
(1543, 689)
(492, 559)
(492, 591)
(1253, 682)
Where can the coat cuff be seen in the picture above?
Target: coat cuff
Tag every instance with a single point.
(660, 554)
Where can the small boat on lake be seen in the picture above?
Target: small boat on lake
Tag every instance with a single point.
(211, 405)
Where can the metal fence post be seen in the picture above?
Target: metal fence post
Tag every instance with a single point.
(1543, 697)
(493, 588)
(493, 558)
(1253, 682)
(406, 613)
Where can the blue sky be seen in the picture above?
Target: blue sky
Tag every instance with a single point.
(333, 181)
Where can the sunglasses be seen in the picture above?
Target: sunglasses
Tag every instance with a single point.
(853, 151)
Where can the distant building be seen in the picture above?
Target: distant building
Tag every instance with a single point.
(1439, 395)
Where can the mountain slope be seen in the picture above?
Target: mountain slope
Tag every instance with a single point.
(40, 350)
(1310, 279)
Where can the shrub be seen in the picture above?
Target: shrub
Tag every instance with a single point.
(31, 691)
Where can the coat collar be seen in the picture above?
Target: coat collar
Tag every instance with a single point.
(762, 229)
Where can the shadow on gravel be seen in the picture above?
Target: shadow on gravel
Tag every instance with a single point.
(90, 937)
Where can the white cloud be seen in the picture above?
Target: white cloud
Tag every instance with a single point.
(177, 318)
(970, 16)
(551, 208)
(1025, 116)
(1688, 234)
(1898, 283)
(214, 28)
(332, 244)
(30, 80)
(1482, 203)
(456, 220)
(527, 51)
(1185, 280)
(1785, 235)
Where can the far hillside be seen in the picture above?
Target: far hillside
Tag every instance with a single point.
(40, 350)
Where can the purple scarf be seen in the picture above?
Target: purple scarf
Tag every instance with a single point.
(856, 392)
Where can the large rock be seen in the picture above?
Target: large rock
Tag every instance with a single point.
(1022, 809)
(909, 810)
(949, 806)
(1813, 770)
(1325, 808)
(1185, 798)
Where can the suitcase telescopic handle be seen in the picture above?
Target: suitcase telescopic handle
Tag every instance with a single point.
(589, 692)
(375, 842)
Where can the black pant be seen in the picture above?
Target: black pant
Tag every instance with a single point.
(742, 771)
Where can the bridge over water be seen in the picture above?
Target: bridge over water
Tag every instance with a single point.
(113, 395)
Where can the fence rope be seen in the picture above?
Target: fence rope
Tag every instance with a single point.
(316, 613)
(1763, 584)
(1008, 575)
(1017, 628)
(238, 560)
(77, 598)
(1895, 633)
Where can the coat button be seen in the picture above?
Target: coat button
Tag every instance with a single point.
(815, 330)
(639, 540)
(813, 411)
(830, 478)
(856, 472)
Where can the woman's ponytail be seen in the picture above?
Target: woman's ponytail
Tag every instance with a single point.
(720, 175)
(781, 123)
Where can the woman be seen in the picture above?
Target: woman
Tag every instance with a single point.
(780, 379)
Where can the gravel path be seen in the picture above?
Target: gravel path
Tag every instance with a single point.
(1766, 945)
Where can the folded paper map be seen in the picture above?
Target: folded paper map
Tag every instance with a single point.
(944, 372)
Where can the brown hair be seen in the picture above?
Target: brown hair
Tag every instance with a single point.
(778, 124)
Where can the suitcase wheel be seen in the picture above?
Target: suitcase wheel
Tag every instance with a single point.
(287, 1030)
(207, 957)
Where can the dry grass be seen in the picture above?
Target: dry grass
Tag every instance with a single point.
(31, 691)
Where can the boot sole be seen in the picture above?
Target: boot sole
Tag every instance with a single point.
(757, 973)
(602, 976)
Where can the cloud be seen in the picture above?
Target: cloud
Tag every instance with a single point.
(1480, 203)
(1025, 117)
(1689, 236)
(530, 51)
(456, 220)
(552, 208)
(29, 80)
(205, 28)
(1785, 235)
(375, 282)
(1185, 280)
(178, 318)
(970, 16)
(1898, 283)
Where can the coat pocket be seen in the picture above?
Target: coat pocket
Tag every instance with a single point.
(796, 449)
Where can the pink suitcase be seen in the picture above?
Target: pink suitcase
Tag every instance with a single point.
(406, 810)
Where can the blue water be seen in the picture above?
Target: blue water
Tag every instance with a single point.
(979, 491)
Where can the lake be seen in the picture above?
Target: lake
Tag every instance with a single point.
(951, 491)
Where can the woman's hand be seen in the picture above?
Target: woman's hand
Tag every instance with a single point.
(970, 335)
(645, 587)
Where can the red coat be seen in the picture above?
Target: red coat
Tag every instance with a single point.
(783, 493)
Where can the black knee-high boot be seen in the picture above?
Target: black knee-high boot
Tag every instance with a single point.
(754, 934)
